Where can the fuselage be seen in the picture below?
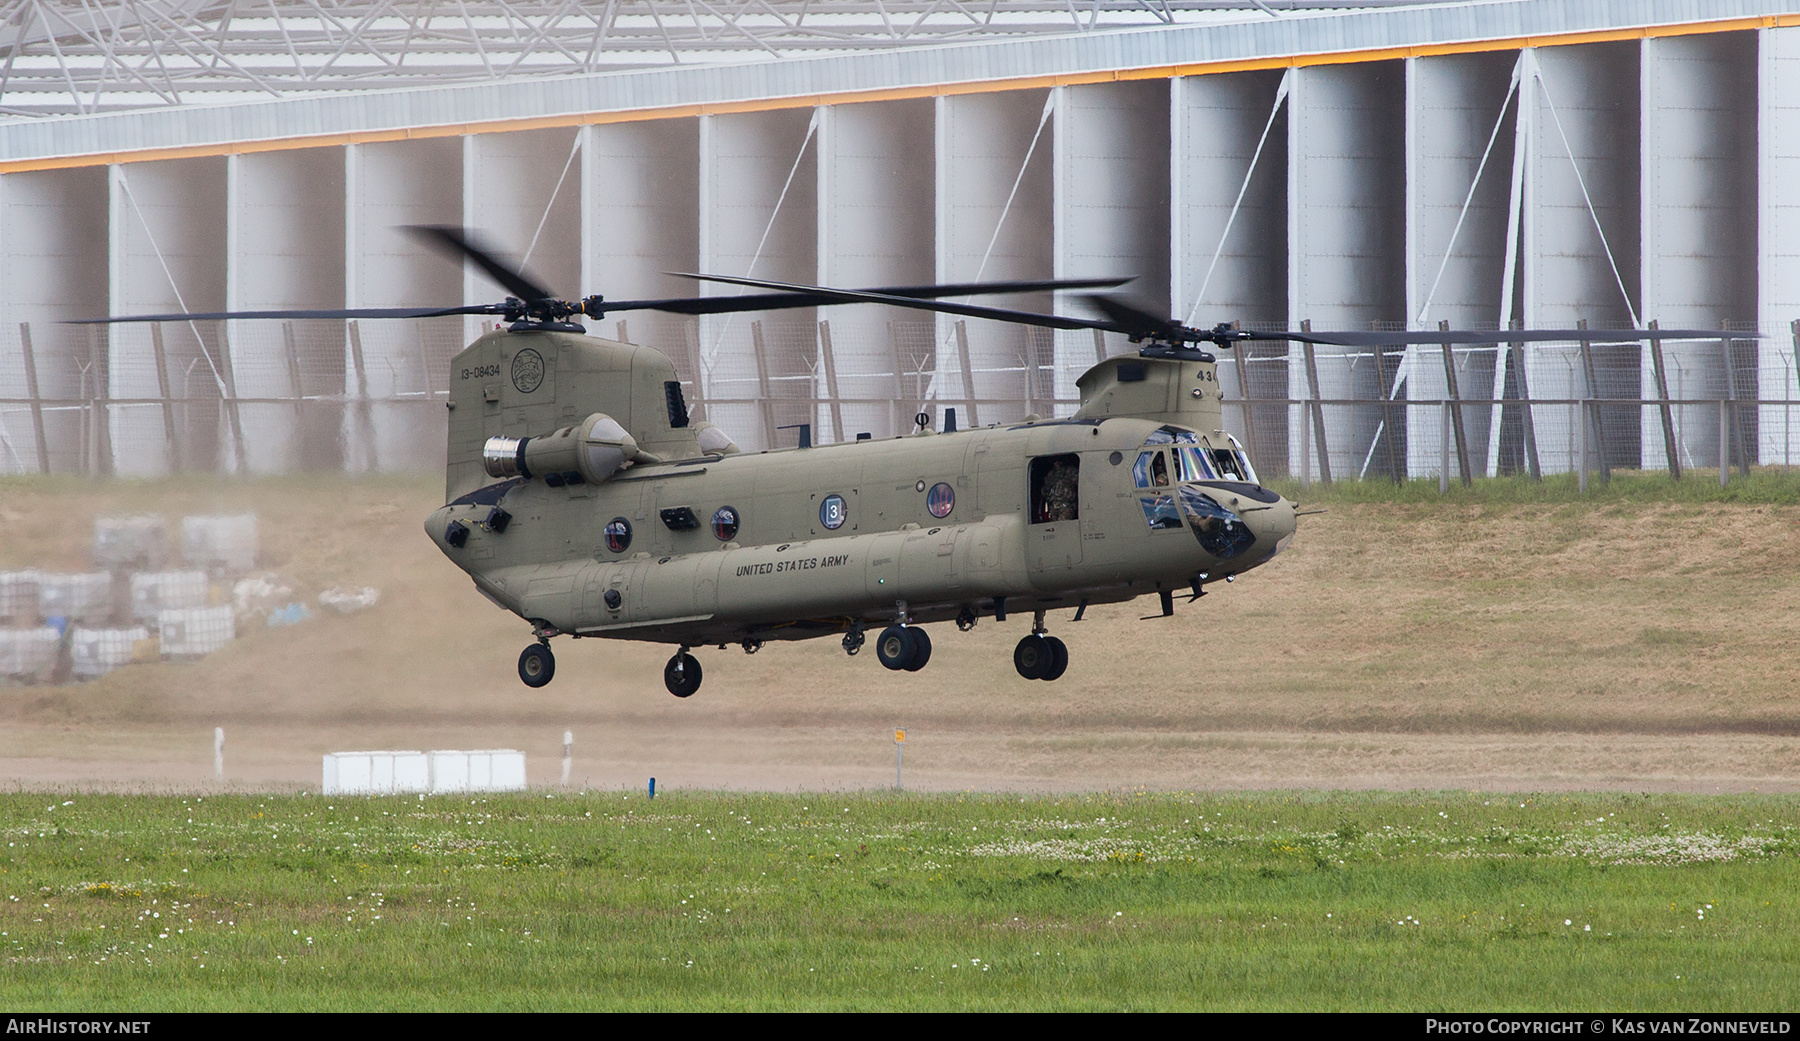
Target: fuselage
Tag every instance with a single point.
(797, 543)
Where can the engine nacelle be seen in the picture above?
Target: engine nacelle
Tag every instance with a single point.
(595, 449)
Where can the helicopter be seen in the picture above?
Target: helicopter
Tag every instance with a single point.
(581, 496)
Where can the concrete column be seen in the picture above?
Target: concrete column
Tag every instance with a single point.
(1346, 215)
(758, 218)
(286, 250)
(54, 249)
(983, 141)
(1215, 125)
(391, 185)
(1585, 117)
(1454, 273)
(168, 230)
(522, 194)
(1778, 246)
(640, 220)
(1111, 205)
(876, 228)
(1698, 145)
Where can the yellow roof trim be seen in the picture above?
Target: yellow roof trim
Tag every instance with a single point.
(900, 93)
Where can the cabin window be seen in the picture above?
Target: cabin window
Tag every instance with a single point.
(1055, 488)
(618, 534)
(725, 524)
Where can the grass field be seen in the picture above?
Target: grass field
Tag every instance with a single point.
(604, 900)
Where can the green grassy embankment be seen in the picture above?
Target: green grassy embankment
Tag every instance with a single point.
(591, 900)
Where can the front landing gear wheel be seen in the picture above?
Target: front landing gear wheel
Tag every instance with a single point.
(537, 665)
(682, 674)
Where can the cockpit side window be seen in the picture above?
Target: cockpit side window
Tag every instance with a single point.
(1151, 470)
(1055, 488)
(1225, 461)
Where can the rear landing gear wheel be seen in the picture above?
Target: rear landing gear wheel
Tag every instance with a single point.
(537, 665)
(895, 647)
(1033, 656)
(682, 674)
(921, 649)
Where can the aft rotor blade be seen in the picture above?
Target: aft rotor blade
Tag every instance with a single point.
(1132, 317)
(355, 312)
(1374, 339)
(459, 242)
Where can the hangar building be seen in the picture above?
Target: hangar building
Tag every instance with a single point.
(1277, 163)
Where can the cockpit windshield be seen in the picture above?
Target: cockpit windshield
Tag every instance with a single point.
(1232, 462)
(1188, 458)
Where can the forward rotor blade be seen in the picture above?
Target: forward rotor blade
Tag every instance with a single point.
(927, 291)
(1483, 336)
(459, 242)
(357, 312)
(852, 296)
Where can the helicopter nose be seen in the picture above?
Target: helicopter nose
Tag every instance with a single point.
(1274, 526)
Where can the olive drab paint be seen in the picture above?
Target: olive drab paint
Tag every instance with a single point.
(829, 539)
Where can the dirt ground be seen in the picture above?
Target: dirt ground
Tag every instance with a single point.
(1635, 647)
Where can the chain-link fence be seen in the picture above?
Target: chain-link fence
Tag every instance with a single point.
(284, 396)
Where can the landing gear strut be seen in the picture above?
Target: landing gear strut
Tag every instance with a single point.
(536, 664)
(682, 674)
(1040, 656)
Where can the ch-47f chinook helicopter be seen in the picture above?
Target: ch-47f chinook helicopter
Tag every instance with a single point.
(583, 498)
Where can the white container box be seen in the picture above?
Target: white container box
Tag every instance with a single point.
(28, 653)
(223, 544)
(75, 597)
(140, 541)
(96, 652)
(376, 773)
(19, 594)
(487, 770)
(195, 631)
(159, 591)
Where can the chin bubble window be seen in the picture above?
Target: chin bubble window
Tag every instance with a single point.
(1160, 513)
(1220, 531)
(618, 534)
(725, 523)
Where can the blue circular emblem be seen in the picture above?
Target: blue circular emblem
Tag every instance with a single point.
(833, 512)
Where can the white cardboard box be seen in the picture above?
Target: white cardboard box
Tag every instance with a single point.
(376, 773)
(441, 770)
